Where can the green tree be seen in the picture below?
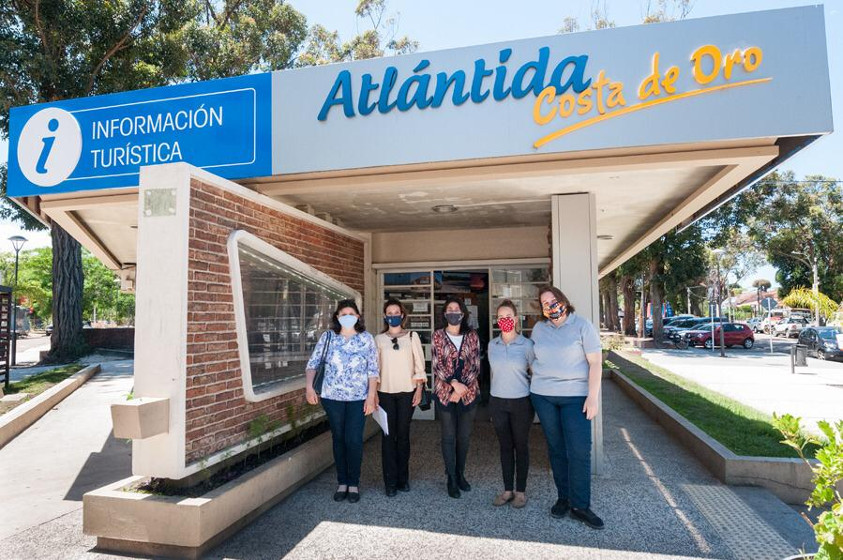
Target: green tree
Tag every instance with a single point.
(65, 49)
(101, 299)
(761, 284)
(651, 12)
(670, 264)
(630, 278)
(380, 39)
(792, 221)
(34, 278)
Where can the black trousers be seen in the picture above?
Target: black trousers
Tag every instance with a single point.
(512, 419)
(395, 448)
(456, 422)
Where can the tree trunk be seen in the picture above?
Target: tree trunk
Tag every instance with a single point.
(612, 308)
(603, 297)
(656, 298)
(628, 288)
(642, 315)
(66, 342)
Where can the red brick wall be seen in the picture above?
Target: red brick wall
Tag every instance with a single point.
(217, 414)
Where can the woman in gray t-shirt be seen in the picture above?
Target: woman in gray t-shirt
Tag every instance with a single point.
(510, 355)
(565, 392)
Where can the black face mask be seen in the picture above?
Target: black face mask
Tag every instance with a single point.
(453, 318)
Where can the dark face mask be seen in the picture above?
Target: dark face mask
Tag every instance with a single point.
(393, 320)
(453, 318)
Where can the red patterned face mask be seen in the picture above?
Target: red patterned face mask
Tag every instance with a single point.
(506, 324)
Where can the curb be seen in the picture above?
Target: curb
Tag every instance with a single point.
(174, 526)
(789, 479)
(23, 416)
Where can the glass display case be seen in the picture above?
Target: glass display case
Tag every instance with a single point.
(286, 306)
(521, 285)
(423, 293)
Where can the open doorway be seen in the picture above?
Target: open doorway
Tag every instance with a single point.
(423, 293)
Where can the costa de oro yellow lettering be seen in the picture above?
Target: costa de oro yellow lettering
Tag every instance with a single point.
(566, 105)
(546, 96)
(603, 94)
(615, 95)
(749, 59)
(712, 54)
(585, 102)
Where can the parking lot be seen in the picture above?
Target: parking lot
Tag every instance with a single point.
(761, 379)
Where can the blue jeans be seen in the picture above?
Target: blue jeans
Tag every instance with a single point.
(346, 420)
(568, 434)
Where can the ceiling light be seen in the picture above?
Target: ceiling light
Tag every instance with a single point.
(444, 209)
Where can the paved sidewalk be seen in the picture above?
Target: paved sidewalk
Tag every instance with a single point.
(762, 380)
(658, 503)
(69, 451)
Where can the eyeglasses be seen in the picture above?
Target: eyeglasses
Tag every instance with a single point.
(395, 344)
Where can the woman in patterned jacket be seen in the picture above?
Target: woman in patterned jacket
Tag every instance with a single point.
(456, 366)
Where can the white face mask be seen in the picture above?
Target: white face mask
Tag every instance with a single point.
(347, 321)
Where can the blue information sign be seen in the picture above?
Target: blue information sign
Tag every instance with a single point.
(101, 142)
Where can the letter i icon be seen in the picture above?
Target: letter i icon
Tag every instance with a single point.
(53, 125)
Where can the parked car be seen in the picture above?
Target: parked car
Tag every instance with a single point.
(700, 324)
(822, 342)
(772, 317)
(754, 324)
(679, 324)
(49, 329)
(667, 321)
(734, 334)
(790, 327)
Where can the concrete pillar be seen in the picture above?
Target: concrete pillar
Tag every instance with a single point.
(574, 242)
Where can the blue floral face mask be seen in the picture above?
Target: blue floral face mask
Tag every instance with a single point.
(393, 320)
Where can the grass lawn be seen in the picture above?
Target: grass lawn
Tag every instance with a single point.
(37, 384)
(742, 429)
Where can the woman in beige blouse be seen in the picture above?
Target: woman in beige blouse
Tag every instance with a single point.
(402, 378)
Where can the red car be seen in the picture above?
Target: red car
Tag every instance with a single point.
(734, 334)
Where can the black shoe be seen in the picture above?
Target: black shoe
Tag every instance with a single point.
(463, 484)
(560, 508)
(587, 516)
(391, 492)
(340, 495)
(404, 487)
(453, 489)
(353, 497)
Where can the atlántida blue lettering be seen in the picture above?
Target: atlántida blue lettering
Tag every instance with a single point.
(423, 90)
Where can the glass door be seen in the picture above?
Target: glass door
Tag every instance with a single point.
(415, 290)
(521, 285)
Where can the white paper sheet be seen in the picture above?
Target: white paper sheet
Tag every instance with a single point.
(380, 417)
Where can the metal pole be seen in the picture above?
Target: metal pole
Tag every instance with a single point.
(688, 294)
(15, 314)
(816, 289)
(711, 309)
(770, 308)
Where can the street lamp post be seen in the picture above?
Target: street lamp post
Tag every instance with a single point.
(816, 284)
(717, 253)
(17, 242)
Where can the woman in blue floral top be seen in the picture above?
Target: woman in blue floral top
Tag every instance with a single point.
(349, 391)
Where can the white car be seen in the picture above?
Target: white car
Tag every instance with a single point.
(790, 327)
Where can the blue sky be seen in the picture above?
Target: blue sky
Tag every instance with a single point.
(442, 24)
